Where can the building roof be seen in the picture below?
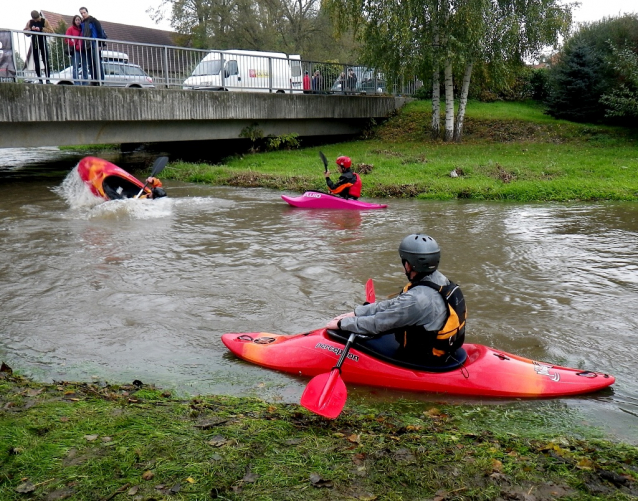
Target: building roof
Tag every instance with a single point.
(150, 59)
(121, 32)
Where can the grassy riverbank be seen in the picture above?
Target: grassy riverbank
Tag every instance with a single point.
(92, 441)
(511, 151)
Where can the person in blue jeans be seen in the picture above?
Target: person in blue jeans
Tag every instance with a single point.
(76, 52)
(91, 28)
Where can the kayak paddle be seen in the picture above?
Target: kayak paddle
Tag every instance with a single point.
(158, 167)
(324, 160)
(326, 393)
(370, 296)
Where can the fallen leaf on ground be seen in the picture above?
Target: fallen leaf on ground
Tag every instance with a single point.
(217, 441)
(319, 482)
(90, 438)
(355, 439)
(25, 488)
(147, 475)
(250, 477)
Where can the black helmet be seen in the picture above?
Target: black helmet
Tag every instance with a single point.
(421, 251)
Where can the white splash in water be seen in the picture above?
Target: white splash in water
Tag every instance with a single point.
(133, 209)
(79, 196)
(76, 192)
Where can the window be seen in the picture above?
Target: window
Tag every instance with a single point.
(295, 68)
(231, 68)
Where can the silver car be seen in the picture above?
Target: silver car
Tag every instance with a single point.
(116, 74)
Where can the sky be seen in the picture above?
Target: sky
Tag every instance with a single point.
(14, 15)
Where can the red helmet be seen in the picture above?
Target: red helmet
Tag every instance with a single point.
(344, 162)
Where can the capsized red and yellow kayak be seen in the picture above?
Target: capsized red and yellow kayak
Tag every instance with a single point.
(108, 181)
(485, 372)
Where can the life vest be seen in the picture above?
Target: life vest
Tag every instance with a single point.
(355, 189)
(452, 335)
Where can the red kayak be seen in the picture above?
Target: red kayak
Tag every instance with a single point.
(478, 370)
(317, 200)
(108, 181)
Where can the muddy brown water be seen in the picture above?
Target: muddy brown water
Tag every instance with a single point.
(144, 289)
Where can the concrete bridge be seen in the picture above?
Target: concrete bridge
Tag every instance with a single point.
(34, 115)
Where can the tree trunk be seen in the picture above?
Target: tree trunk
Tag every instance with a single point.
(436, 103)
(449, 101)
(436, 89)
(458, 129)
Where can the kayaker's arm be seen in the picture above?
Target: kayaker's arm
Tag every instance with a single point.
(412, 308)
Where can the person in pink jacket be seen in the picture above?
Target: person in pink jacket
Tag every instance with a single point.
(76, 52)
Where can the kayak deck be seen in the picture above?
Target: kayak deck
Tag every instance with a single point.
(317, 200)
(485, 372)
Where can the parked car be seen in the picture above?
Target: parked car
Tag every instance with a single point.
(368, 82)
(118, 72)
(247, 71)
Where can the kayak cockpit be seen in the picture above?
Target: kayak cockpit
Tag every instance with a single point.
(387, 348)
(116, 187)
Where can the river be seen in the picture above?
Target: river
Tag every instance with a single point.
(144, 290)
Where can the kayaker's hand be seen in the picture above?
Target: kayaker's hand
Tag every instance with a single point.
(334, 323)
(326, 174)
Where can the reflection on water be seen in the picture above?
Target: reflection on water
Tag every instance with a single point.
(144, 289)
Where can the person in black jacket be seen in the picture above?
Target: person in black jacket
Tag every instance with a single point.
(92, 28)
(39, 45)
(347, 180)
(351, 81)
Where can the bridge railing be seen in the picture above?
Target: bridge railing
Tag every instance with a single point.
(50, 58)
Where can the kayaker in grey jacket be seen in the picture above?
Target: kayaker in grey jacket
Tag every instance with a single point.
(427, 318)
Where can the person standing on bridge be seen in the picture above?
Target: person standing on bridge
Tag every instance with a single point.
(91, 28)
(349, 183)
(39, 45)
(317, 83)
(77, 55)
(306, 83)
(351, 81)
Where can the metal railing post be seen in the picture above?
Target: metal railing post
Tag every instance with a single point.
(270, 74)
(166, 72)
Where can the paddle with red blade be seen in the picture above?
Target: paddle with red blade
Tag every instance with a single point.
(370, 296)
(326, 394)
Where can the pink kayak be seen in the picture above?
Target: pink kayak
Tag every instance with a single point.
(316, 200)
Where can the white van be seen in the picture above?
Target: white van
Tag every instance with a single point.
(247, 71)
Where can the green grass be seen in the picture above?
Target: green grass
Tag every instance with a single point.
(510, 151)
(90, 441)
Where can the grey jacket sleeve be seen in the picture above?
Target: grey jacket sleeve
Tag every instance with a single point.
(418, 306)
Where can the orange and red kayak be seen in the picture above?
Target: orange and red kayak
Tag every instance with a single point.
(108, 181)
(478, 370)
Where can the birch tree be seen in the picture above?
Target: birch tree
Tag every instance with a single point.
(425, 37)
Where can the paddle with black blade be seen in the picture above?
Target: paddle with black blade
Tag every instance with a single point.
(158, 167)
(326, 394)
(325, 161)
